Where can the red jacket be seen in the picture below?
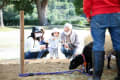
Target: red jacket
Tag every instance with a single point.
(95, 7)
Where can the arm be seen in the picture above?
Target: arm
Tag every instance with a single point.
(87, 6)
(63, 42)
(76, 42)
(62, 38)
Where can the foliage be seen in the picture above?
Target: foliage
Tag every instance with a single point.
(25, 5)
(78, 6)
(59, 12)
(11, 17)
(80, 21)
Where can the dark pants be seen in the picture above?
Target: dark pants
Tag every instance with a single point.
(67, 52)
(34, 55)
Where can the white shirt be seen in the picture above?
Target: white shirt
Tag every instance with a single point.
(54, 42)
(32, 45)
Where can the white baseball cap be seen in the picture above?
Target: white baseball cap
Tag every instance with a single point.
(55, 30)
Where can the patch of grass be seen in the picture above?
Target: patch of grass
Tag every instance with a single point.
(13, 28)
(5, 29)
(27, 27)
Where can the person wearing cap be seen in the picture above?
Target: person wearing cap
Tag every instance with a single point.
(70, 41)
(53, 43)
(103, 15)
(34, 47)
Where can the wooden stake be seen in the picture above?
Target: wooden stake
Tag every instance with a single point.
(22, 41)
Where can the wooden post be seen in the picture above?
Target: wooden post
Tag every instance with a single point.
(22, 41)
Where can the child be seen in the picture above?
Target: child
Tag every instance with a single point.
(53, 43)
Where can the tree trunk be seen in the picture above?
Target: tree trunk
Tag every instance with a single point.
(1, 19)
(41, 9)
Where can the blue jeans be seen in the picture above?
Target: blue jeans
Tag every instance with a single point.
(31, 55)
(68, 53)
(34, 55)
(43, 53)
(99, 24)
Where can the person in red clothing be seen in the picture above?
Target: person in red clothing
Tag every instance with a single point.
(102, 15)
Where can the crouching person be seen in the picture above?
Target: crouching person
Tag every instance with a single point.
(35, 47)
(70, 42)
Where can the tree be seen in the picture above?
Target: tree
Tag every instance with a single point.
(1, 19)
(41, 9)
(2, 4)
(27, 6)
(78, 6)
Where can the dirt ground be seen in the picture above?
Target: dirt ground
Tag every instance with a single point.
(9, 70)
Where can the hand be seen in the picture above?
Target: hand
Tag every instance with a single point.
(66, 46)
(62, 42)
(46, 41)
(42, 47)
(54, 38)
(76, 54)
(89, 19)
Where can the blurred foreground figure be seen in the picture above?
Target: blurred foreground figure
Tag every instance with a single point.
(102, 15)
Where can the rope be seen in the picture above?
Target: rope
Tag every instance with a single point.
(53, 73)
(85, 63)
